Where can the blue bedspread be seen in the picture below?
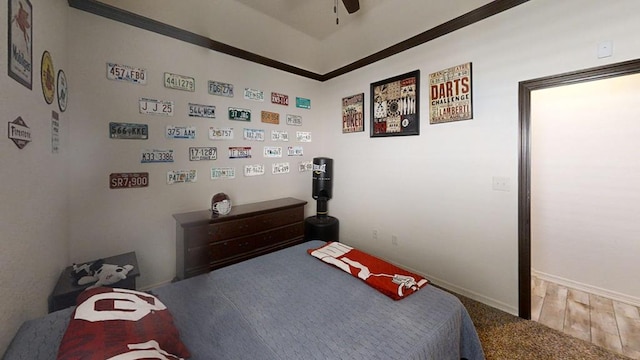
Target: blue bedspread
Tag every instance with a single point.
(290, 305)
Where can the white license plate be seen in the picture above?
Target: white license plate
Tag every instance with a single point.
(294, 151)
(179, 82)
(280, 168)
(220, 88)
(295, 120)
(203, 153)
(203, 111)
(253, 94)
(221, 133)
(128, 131)
(223, 173)
(181, 132)
(155, 107)
(126, 73)
(254, 134)
(305, 166)
(156, 156)
(303, 136)
(254, 170)
(279, 135)
(181, 176)
(239, 152)
(272, 152)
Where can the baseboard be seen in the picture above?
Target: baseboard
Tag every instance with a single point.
(151, 287)
(609, 294)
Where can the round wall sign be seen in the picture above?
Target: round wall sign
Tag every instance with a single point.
(47, 77)
(63, 93)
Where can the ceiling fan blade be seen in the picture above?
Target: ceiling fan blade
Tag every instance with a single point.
(351, 5)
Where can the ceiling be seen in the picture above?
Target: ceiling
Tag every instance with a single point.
(302, 33)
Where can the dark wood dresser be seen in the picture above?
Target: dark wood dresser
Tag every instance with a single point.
(205, 242)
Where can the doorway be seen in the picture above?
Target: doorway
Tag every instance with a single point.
(524, 165)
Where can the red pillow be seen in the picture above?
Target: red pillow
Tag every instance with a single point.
(120, 324)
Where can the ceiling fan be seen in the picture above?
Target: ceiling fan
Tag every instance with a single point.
(351, 5)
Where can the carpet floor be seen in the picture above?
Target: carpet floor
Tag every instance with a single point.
(508, 337)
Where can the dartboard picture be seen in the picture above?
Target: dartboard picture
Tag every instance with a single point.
(395, 106)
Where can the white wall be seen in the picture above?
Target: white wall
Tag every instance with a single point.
(585, 186)
(434, 191)
(34, 211)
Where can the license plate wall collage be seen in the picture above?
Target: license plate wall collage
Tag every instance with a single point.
(249, 135)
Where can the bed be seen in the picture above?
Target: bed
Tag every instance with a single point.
(290, 305)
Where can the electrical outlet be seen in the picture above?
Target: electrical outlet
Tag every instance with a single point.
(394, 240)
(501, 183)
(374, 234)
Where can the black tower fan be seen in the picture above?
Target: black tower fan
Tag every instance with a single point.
(322, 226)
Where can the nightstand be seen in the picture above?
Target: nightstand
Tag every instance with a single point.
(65, 292)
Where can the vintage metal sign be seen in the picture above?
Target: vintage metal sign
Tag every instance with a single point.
(63, 91)
(203, 111)
(270, 117)
(128, 131)
(305, 166)
(253, 94)
(182, 176)
(126, 73)
(19, 132)
(239, 114)
(303, 103)
(280, 99)
(295, 120)
(353, 113)
(280, 168)
(203, 153)
(272, 152)
(294, 151)
(47, 77)
(20, 41)
(220, 133)
(179, 82)
(253, 134)
(128, 180)
(55, 133)
(156, 156)
(303, 136)
(181, 132)
(220, 88)
(223, 173)
(254, 170)
(155, 107)
(450, 92)
(239, 152)
(279, 135)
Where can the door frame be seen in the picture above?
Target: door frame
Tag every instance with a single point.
(524, 160)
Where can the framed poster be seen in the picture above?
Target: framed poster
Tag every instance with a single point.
(395, 109)
(20, 42)
(450, 94)
(353, 113)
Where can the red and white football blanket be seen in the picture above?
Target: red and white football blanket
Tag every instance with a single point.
(387, 278)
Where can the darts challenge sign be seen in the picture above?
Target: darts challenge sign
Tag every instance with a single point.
(450, 94)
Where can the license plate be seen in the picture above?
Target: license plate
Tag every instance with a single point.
(182, 176)
(279, 135)
(128, 131)
(203, 153)
(303, 136)
(221, 133)
(203, 111)
(179, 82)
(305, 166)
(280, 168)
(128, 180)
(303, 103)
(253, 94)
(254, 134)
(239, 114)
(220, 89)
(239, 152)
(254, 170)
(280, 99)
(295, 120)
(294, 151)
(223, 173)
(156, 156)
(155, 107)
(181, 132)
(270, 117)
(126, 73)
(272, 152)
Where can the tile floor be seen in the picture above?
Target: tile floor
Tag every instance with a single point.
(604, 322)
